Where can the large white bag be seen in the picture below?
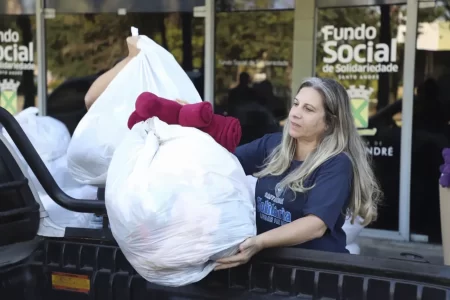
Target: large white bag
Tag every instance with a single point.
(50, 138)
(176, 202)
(58, 214)
(104, 126)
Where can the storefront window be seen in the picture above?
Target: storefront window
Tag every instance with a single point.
(431, 130)
(360, 47)
(80, 47)
(17, 62)
(253, 68)
(240, 5)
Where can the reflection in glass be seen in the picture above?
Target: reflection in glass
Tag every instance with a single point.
(242, 5)
(131, 6)
(253, 69)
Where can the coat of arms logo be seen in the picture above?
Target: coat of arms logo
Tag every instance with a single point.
(8, 95)
(359, 101)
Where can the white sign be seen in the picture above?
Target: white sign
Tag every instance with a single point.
(14, 57)
(364, 57)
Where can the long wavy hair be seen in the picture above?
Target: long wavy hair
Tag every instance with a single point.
(340, 137)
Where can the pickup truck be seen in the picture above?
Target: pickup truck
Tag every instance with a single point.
(82, 263)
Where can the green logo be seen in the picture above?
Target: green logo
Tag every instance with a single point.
(360, 111)
(8, 95)
(359, 102)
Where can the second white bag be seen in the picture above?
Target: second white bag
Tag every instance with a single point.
(50, 138)
(176, 202)
(104, 126)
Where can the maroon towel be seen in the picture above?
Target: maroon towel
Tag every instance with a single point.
(149, 105)
(224, 130)
(198, 115)
(134, 119)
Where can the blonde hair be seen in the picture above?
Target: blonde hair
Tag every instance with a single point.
(341, 137)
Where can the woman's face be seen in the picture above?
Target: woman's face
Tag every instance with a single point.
(307, 115)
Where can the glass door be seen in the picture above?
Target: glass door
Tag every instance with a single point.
(431, 116)
(363, 47)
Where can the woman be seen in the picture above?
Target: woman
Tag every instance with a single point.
(309, 176)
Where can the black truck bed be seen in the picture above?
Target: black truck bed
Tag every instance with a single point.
(62, 269)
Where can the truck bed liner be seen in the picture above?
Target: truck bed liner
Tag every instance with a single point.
(276, 274)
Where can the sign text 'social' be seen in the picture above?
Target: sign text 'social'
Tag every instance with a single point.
(370, 57)
(14, 56)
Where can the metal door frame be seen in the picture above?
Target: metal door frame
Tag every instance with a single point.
(210, 56)
(41, 57)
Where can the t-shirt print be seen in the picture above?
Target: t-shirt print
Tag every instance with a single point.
(271, 208)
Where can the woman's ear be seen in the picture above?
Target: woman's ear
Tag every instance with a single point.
(329, 124)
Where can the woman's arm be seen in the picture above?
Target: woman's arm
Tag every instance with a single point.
(297, 232)
(324, 203)
(101, 83)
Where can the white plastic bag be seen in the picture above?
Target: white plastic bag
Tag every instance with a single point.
(50, 138)
(353, 248)
(58, 214)
(176, 202)
(105, 124)
(352, 231)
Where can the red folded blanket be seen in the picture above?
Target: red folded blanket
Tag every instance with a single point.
(224, 130)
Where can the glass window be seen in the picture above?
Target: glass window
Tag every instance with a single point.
(253, 68)
(362, 48)
(17, 62)
(240, 5)
(131, 6)
(431, 130)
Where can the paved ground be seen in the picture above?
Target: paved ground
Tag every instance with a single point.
(394, 249)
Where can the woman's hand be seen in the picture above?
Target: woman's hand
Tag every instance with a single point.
(247, 250)
(132, 46)
(181, 102)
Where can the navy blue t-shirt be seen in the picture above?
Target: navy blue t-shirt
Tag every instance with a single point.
(328, 199)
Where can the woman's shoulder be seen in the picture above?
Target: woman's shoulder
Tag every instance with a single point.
(335, 169)
(340, 162)
(271, 140)
(262, 145)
